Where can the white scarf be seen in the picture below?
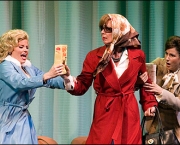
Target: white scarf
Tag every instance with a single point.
(12, 59)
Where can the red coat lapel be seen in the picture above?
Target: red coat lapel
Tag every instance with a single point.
(110, 76)
(109, 72)
(133, 66)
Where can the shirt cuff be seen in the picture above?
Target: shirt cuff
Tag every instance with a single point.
(69, 83)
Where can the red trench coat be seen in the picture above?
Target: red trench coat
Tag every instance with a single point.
(116, 114)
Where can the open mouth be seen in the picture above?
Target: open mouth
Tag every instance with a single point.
(24, 56)
(168, 64)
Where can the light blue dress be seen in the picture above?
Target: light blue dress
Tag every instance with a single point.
(16, 93)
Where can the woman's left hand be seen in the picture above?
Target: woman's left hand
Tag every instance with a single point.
(150, 111)
(154, 88)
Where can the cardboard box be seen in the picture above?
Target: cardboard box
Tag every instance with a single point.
(60, 56)
(151, 69)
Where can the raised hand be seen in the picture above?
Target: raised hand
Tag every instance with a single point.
(64, 76)
(53, 72)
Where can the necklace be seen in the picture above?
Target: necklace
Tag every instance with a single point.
(118, 59)
(27, 74)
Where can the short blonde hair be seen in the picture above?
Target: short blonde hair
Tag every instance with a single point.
(9, 40)
(104, 19)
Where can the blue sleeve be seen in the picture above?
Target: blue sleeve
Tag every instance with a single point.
(56, 82)
(16, 80)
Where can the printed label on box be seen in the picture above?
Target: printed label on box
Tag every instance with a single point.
(60, 56)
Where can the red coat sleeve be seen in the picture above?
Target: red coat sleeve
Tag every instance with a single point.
(147, 99)
(85, 79)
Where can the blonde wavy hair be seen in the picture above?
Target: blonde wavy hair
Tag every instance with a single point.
(9, 40)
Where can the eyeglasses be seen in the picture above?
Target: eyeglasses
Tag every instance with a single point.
(106, 29)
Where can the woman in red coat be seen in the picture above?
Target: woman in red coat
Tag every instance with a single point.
(113, 69)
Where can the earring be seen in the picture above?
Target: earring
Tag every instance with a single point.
(9, 53)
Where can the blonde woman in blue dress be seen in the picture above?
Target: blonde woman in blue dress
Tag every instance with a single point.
(18, 82)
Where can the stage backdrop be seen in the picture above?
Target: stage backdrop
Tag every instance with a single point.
(56, 113)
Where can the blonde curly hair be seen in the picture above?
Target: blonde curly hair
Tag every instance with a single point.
(9, 40)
